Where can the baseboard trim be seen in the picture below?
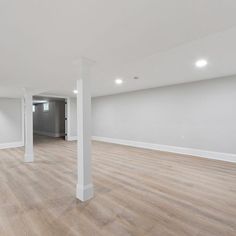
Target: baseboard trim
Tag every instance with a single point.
(71, 138)
(11, 145)
(84, 192)
(49, 134)
(29, 158)
(173, 149)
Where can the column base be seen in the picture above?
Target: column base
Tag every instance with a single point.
(29, 158)
(84, 192)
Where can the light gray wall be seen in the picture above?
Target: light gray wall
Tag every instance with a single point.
(200, 115)
(52, 122)
(10, 120)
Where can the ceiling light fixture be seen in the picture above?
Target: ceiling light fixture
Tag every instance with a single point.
(119, 81)
(201, 63)
(75, 91)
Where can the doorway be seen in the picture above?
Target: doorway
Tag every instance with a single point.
(49, 117)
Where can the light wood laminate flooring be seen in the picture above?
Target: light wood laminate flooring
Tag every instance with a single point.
(137, 192)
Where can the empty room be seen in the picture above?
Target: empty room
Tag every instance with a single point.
(118, 118)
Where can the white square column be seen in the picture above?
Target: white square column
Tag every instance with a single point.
(84, 189)
(29, 151)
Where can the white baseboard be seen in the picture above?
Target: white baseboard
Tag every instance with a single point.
(49, 134)
(29, 158)
(173, 149)
(11, 145)
(84, 193)
(71, 138)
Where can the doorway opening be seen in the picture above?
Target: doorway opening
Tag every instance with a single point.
(49, 118)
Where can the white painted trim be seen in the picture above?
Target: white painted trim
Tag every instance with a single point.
(11, 145)
(51, 96)
(29, 158)
(84, 192)
(23, 120)
(173, 149)
(29, 145)
(54, 135)
(71, 138)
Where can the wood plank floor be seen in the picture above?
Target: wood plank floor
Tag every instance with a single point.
(137, 192)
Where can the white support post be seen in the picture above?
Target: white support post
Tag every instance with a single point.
(29, 152)
(84, 189)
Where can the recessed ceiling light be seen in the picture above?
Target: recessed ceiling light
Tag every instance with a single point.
(119, 81)
(201, 63)
(75, 91)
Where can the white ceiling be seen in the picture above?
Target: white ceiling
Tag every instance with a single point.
(156, 40)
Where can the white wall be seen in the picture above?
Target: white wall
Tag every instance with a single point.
(11, 122)
(195, 116)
